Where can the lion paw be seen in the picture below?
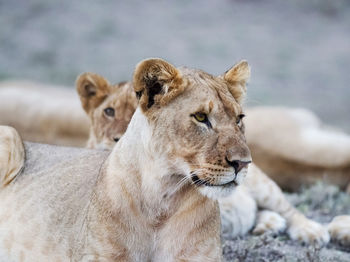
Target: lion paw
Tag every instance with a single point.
(339, 229)
(308, 232)
(269, 221)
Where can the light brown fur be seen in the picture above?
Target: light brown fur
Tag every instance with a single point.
(11, 155)
(135, 206)
(43, 113)
(295, 149)
(140, 204)
(274, 134)
(239, 210)
(97, 95)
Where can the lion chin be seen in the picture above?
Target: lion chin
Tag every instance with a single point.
(220, 189)
(216, 192)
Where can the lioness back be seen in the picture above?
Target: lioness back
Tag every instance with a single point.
(50, 195)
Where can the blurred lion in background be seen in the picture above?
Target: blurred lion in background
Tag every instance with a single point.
(43, 113)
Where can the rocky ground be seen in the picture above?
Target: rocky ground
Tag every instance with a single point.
(320, 202)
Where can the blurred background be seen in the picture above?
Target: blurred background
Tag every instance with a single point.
(299, 50)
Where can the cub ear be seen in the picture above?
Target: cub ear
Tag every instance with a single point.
(92, 89)
(237, 78)
(156, 82)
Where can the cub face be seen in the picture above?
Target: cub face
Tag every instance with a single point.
(109, 107)
(195, 119)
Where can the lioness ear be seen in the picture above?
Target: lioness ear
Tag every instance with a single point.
(92, 89)
(237, 77)
(156, 82)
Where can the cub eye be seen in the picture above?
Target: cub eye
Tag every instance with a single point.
(109, 111)
(202, 118)
(239, 118)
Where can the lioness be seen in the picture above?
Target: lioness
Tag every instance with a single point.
(109, 106)
(153, 199)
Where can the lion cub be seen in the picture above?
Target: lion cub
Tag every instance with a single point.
(109, 108)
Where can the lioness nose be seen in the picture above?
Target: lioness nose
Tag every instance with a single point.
(116, 139)
(238, 164)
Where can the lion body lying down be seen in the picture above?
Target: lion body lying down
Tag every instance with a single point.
(45, 114)
(64, 180)
(153, 197)
(44, 210)
(295, 149)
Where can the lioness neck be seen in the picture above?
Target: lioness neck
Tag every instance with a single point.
(146, 174)
(140, 204)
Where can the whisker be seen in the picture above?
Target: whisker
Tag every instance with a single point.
(179, 185)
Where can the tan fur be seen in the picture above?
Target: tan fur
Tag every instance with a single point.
(11, 155)
(162, 73)
(140, 204)
(295, 149)
(104, 129)
(93, 89)
(135, 206)
(239, 210)
(339, 229)
(43, 113)
(237, 77)
(275, 135)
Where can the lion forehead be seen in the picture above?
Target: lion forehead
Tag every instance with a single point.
(212, 90)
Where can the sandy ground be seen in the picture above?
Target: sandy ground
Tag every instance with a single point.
(299, 50)
(320, 202)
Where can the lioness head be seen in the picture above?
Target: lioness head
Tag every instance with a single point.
(109, 107)
(195, 120)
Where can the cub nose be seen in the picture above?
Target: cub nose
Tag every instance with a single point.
(238, 164)
(116, 139)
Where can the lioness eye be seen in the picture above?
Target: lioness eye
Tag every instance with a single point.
(109, 111)
(239, 118)
(202, 118)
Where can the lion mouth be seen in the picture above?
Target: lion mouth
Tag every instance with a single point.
(199, 182)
